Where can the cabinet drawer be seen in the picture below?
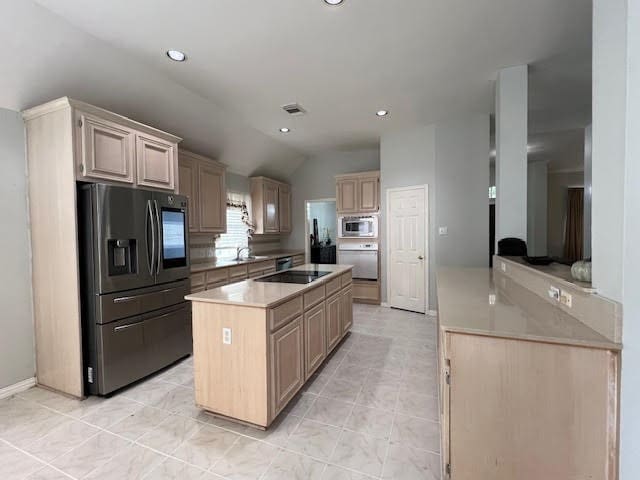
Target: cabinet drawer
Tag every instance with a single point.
(260, 266)
(198, 289)
(345, 279)
(269, 270)
(237, 272)
(313, 297)
(213, 285)
(363, 290)
(217, 275)
(333, 286)
(197, 280)
(283, 313)
(298, 260)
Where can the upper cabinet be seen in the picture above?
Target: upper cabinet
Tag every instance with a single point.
(358, 193)
(113, 148)
(156, 160)
(202, 181)
(284, 208)
(271, 202)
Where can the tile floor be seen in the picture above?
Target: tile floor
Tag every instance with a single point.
(369, 412)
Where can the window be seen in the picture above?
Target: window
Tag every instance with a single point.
(237, 231)
(492, 192)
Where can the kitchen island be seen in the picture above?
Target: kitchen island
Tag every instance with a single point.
(528, 391)
(256, 343)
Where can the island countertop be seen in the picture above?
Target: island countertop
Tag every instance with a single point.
(250, 293)
(483, 302)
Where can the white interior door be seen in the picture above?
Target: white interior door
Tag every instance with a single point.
(407, 268)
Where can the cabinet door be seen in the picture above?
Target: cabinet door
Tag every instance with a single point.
(107, 150)
(315, 343)
(284, 208)
(346, 313)
(287, 364)
(212, 196)
(334, 324)
(155, 160)
(347, 195)
(271, 204)
(188, 186)
(369, 194)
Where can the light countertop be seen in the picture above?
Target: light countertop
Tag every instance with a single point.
(250, 293)
(480, 301)
(213, 264)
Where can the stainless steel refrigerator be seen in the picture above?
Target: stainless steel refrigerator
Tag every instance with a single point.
(134, 270)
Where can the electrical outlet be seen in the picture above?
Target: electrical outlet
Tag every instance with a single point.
(226, 336)
(566, 298)
(503, 266)
(554, 293)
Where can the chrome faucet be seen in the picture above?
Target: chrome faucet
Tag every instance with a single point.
(239, 250)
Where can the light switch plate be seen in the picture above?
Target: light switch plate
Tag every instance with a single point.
(443, 230)
(226, 336)
(503, 266)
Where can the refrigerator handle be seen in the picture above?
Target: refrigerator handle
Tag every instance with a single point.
(155, 203)
(149, 222)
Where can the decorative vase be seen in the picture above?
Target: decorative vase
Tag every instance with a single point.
(581, 270)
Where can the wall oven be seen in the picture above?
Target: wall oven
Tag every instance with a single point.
(358, 227)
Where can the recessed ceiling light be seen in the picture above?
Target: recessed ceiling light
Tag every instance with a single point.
(333, 2)
(284, 130)
(176, 55)
(382, 113)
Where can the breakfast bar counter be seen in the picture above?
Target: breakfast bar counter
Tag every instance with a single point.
(256, 342)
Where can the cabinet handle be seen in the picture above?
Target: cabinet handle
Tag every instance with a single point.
(124, 327)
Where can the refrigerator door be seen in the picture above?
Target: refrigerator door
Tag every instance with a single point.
(122, 237)
(172, 225)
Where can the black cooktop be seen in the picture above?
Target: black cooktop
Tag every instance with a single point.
(294, 276)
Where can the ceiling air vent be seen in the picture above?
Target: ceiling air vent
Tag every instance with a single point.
(294, 109)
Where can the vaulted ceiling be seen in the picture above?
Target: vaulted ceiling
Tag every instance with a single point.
(423, 60)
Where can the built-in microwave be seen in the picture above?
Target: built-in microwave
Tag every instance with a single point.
(358, 227)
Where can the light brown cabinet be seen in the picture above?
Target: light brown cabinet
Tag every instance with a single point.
(346, 309)
(287, 366)
(333, 309)
(358, 193)
(107, 149)
(542, 410)
(271, 203)
(202, 180)
(284, 208)
(315, 345)
(156, 162)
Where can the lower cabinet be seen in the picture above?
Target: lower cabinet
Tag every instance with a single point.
(334, 324)
(287, 364)
(315, 345)
(346, 310)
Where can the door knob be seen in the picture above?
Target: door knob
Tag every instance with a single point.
(420, 257)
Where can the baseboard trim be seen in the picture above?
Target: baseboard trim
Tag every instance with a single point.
(385, 304)
(17, 387)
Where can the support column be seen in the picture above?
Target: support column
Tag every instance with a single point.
(511, 152)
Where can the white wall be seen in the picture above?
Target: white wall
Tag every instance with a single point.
(408, 158)
(587, 192)
(537, 208)
(608, 144)
(17, 358)
(314, 179)
(452, 157)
